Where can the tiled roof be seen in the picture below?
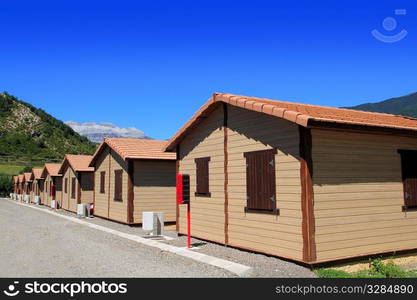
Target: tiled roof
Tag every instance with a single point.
(36, 173)
(21, 177)
(15, 179)
(51, 169)
(129, 148)
(302, 114)
(27, 177)
(79, 163)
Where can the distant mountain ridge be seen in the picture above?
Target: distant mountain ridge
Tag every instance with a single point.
(96, 132)
(30, 132)
(405, 106)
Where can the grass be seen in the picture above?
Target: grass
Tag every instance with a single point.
(10, 169)
(377, 269)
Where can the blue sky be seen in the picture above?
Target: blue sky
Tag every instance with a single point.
(152, 64)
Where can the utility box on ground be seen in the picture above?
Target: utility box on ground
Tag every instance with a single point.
(153, 222)
(81, 210)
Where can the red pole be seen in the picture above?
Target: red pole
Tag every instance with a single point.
(188, 226)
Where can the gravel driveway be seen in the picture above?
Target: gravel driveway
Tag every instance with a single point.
(34, 244)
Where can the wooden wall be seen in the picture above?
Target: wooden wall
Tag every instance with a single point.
(104, 204)
(358, 194)
(247, 131)
(207, 217)
(154, 188)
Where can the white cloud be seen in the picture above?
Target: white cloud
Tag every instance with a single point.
(97, 131)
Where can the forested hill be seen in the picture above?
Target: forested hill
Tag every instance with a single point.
(405, 106)
(30, 132)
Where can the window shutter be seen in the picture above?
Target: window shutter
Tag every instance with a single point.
(409, 174)
(202, 176)
(118, 180)
(260, 181)
(102, 182)
(73, 188)
(66, 185)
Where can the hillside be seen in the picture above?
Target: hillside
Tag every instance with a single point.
(405, 106)
(27, 132)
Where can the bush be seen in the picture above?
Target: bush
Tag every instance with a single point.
(6, 185)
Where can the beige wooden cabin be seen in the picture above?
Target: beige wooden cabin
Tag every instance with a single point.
(20, 180)
(77, 181)
(307, 183)
(37, 183)
(133, 176)
(15, 182)
(27, 185)
(52, 184)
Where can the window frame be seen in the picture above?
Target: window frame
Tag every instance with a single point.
(206, 162)
(102, 182)
(73, 188)
(260, 210)
(404, 163)
(118, 193)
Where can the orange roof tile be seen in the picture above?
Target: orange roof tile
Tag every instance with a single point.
(302, 114)
(129, 148)
(79, 163)
(51, 169)
(36, 173)
(27, 177)
(16, 179)
(21, 177)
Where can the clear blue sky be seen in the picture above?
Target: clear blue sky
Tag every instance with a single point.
(152, 64)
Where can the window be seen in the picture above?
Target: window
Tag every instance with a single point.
(73, 188)
(409, 176)
(118, 190)
(66, 185)
(102, 182)
(202, 177)
(260, 182)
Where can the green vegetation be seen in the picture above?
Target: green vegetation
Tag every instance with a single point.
(405, 106)
(6, 184)
(377, 269)
(28, 133)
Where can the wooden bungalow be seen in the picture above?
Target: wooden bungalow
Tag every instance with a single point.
(133, 176)
(37, 183)
(52, 184)
(27, 186)
(77, 181)
(20, 179)
(303, 182)
(15, 181)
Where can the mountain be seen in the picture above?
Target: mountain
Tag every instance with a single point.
(405, 106)
(96, 132)
(27, 132)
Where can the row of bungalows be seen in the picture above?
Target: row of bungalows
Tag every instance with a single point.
(124, 178)
(308, 183)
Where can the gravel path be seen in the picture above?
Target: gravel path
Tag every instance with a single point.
(35, 244)
(99, 254)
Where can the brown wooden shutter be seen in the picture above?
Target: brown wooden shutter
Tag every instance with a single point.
(72, 188)
(118, 181)
(260, 181)
(66, 185)
(202, 176)
(102, 182)
(409, 174)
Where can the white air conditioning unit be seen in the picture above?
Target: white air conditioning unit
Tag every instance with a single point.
(53, 203)
(81, 210)
(37, 200)
(153, 222)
